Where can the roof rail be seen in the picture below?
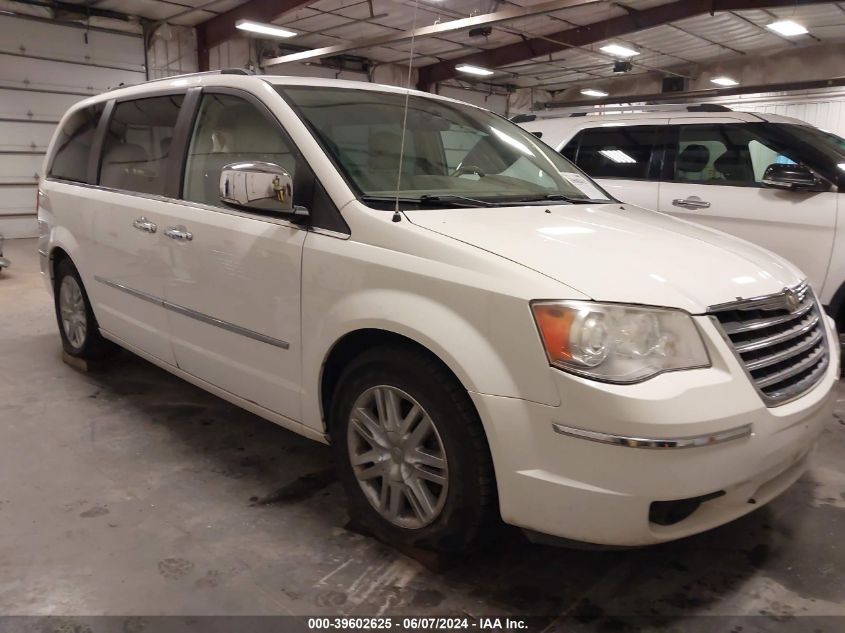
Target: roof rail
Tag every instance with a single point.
(221, 71)
(582, 110)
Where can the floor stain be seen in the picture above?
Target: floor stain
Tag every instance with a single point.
(298, 490)
(96, 511)
(175, 568)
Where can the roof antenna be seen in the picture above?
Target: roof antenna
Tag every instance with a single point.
(397, 217)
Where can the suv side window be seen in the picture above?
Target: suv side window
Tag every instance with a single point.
(137, 145)
(614, 152)
(73, 145)
(229, 129)
(726, 154)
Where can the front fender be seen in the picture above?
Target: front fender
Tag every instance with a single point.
(500, 356)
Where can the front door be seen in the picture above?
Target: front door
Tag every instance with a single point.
(233, 292)
(713, 176)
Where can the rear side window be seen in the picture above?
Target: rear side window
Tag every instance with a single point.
(73, 145)
(137, 145)
(614, 152)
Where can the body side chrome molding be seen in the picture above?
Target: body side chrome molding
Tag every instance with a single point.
(193, 314)
(707, 439)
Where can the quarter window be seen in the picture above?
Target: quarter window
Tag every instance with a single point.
(230, 130)
(73, 145)
(614, 152)
(137, 146)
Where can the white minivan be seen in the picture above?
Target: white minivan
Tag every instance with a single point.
(769, 179)
(479, 331)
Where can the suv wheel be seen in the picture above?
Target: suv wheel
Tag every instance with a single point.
(411, 451)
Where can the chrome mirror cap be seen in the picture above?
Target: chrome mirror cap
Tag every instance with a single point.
(257, 186)
(782, 176)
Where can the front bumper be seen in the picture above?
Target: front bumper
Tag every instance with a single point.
(596, 492)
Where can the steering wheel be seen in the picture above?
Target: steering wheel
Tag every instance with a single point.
(469, 169)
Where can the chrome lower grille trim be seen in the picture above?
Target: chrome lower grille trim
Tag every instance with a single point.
(779, 339)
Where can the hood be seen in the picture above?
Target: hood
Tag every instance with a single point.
(622, 253)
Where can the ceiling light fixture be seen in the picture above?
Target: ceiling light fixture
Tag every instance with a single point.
(619, 50)
(263, 29)
(724, 81)
(592, 92)
(787, 28)
(474, 70)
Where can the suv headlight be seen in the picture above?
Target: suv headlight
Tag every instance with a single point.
(618, 343)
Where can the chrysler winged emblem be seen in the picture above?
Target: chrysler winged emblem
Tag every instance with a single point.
(793, 301)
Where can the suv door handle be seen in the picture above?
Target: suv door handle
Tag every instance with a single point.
(179, 233)
(693, 202)
(143, 224)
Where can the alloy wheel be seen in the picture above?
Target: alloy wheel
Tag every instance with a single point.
(397, 456)
(72, 310)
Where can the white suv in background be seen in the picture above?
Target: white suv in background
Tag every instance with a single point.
(769, 179)
(497, 337)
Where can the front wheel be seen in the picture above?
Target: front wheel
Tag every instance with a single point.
(411, 451)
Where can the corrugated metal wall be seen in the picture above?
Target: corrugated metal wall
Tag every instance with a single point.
(823, 108)
(44, 68)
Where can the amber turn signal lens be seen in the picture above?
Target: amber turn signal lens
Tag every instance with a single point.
(554, 323)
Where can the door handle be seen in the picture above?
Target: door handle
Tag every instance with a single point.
(143, 224)
(179, 233)
(693, 202)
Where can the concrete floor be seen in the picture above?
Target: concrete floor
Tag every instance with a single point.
(131, 492)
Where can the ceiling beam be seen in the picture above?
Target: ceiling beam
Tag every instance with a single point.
(439, 29)
(592, 33)
(220, 28)
(697, 96)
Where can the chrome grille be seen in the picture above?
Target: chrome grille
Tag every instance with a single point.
(780, 340)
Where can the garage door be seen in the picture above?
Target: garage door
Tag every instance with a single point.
(44, 68)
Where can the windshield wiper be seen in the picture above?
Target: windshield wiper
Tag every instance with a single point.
(559, 197)
(446, 200)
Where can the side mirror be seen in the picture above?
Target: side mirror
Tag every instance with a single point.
(793, 177)
(258, 186)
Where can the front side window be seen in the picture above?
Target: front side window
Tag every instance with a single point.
(73, 145)
(137, 147)
(727, 154)
(452, 151)
(229, 130)
(615, 151)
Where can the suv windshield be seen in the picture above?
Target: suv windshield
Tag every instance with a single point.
(831, 144)
(455, 155)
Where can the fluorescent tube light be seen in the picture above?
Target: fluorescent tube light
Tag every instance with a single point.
(787, 28)
(592, 92)
(473, 70)
(724, 81)
(617, 156)
(263, 29)
(619, 50)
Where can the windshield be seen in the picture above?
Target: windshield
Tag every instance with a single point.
(830, 144)
(453, 153)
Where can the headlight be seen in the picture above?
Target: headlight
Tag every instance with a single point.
(618, 343)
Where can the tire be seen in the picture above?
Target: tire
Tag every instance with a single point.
(458, 515)
(77, 324)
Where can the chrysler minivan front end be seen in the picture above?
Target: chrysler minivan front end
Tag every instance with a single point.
(680, 451)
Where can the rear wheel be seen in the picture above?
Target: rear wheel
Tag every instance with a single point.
(77, 325)
(411, 451)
